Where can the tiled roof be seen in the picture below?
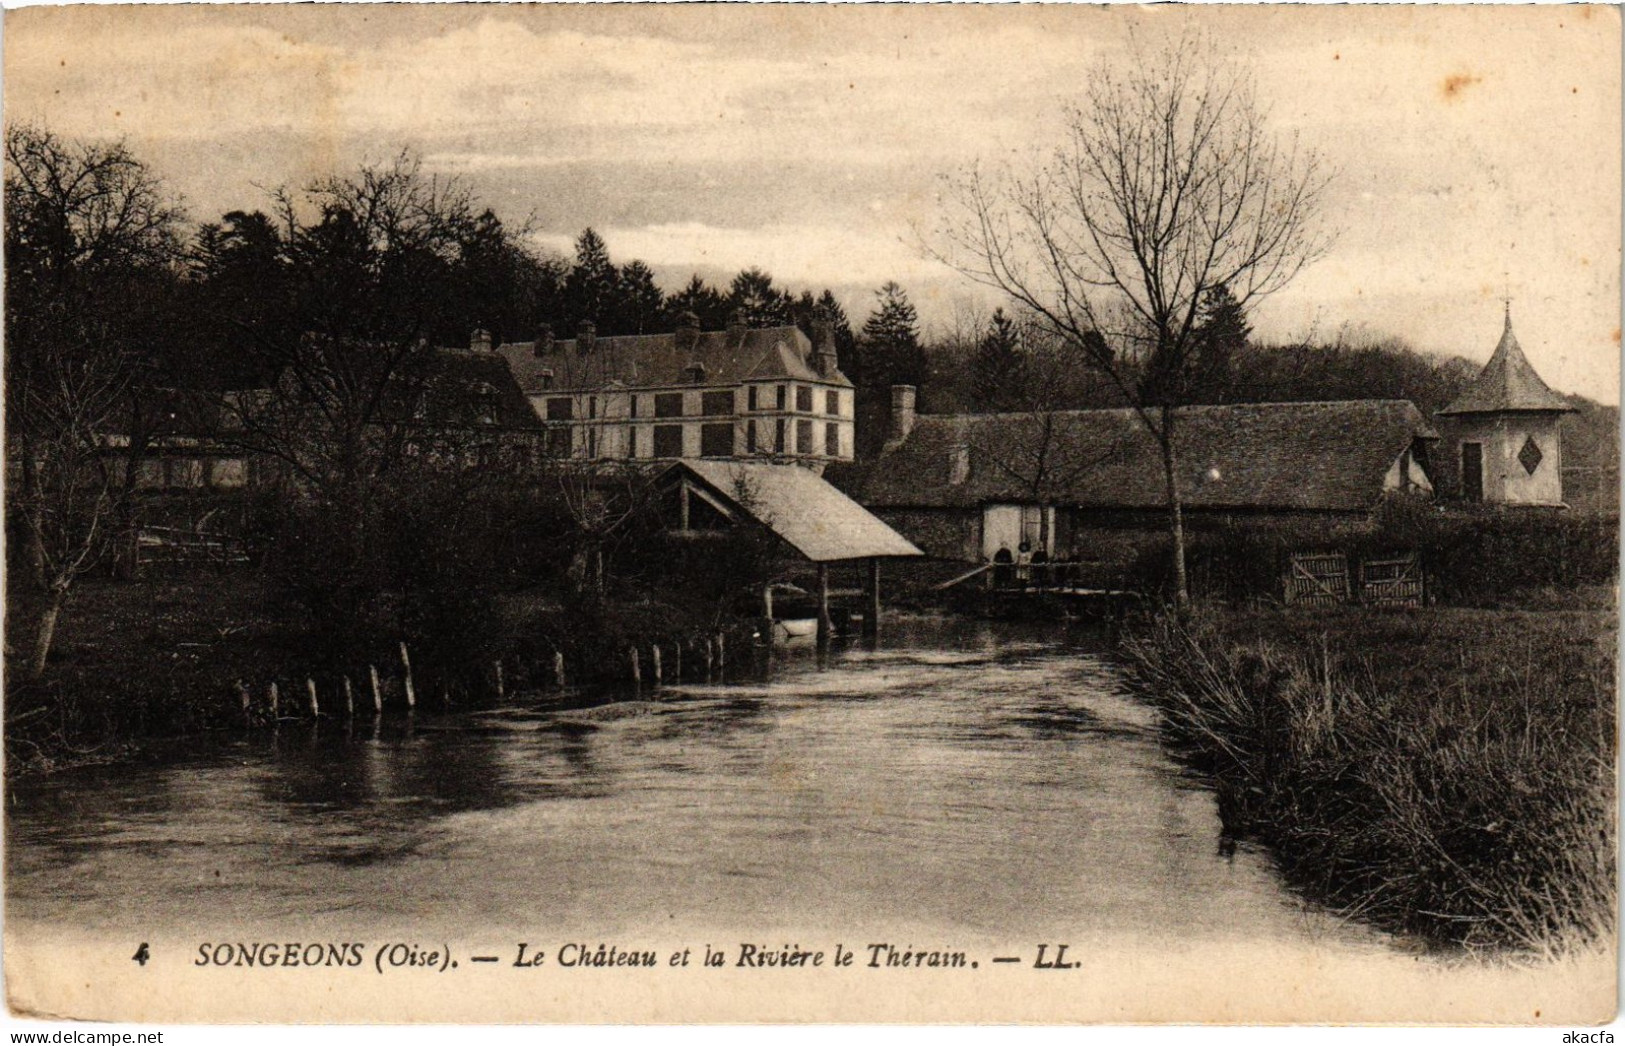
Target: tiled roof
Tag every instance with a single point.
(460, 388)
(646, 360)
(1284, 456)
(813, 517)
(1507, 383)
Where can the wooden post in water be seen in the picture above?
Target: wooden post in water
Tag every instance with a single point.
(654, 660)
(823, 606)
(558, 668)
(349, 699)
(722, 653)
(274, 701)
(247, 702)
(871, 610)
(677, 660)
(637, 667)
(377, 691)
(406, 663)
(310, 688)
(709, 658)
(502, 690)
(767, 603)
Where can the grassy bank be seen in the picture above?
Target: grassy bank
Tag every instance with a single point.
(1447, 773)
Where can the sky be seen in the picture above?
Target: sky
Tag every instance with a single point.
(1477, 149)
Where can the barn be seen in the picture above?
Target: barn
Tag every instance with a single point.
(1081, 484)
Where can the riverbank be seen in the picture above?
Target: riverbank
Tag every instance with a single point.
(1446, 773)
(164, 657)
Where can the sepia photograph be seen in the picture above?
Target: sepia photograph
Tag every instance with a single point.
(649, 514)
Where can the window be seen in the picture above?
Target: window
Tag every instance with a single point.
(592, 407)
(832, 439)
(717, 439)
(804, 443)
(804, 399)
(547, 379)
(229, 472)
(632, 405)
(750, 398)
(778, 436)
(714, 403)
(781, 397)
(631, 441)
(668, 441)
(669, 405)
(832, 403)
(750, 436)
(695, 372)
(560, 408)
(556, 442)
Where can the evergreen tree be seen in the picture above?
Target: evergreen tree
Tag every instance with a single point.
(754, 299)
(997, 364)
(590, 289)
(891, 342)
(639, 304)
(701, 299)
(1221, 337)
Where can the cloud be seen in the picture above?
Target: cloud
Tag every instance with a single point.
(799, 255)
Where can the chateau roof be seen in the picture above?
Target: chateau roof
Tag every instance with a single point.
(727, 357)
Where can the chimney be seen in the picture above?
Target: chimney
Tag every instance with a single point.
(544, 341)
(902, 412)
(585, 334)
(736, 325)
(825, 360)
(480, 341)
(688, 332)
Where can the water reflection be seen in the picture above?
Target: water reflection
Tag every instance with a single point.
(961, 778)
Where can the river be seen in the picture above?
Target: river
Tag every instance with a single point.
(965, 787)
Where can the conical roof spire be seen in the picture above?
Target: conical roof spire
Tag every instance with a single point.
(1507, 383)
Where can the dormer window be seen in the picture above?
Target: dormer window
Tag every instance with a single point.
(695, 372)
(547, 379)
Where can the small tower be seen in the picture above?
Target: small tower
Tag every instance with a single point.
(1501, 440)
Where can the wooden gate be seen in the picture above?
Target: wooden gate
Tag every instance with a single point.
(1319, 579)
(1395, 582)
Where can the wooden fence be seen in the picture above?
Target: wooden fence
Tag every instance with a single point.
(1323, 579)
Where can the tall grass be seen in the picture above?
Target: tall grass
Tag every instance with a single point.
(1447, 774)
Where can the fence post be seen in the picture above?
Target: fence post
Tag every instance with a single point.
(274, 700)
(349, 699)
(558, 668)
(637, 669)
(654, 660)
(377, 691)
(406, 663)
(310, 687)
(501, 687)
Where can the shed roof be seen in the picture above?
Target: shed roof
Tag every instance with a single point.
(812, 516)
(644, 360)
(1507, 383)
(1285, 456)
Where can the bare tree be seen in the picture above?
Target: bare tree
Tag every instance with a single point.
(88, 229)
(1166, 185)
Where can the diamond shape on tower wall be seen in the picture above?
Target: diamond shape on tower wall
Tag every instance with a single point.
(1529, 457)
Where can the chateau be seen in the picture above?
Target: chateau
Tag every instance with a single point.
(768, 394)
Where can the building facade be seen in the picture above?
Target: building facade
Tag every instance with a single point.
(765, 394)
(1501, 437)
